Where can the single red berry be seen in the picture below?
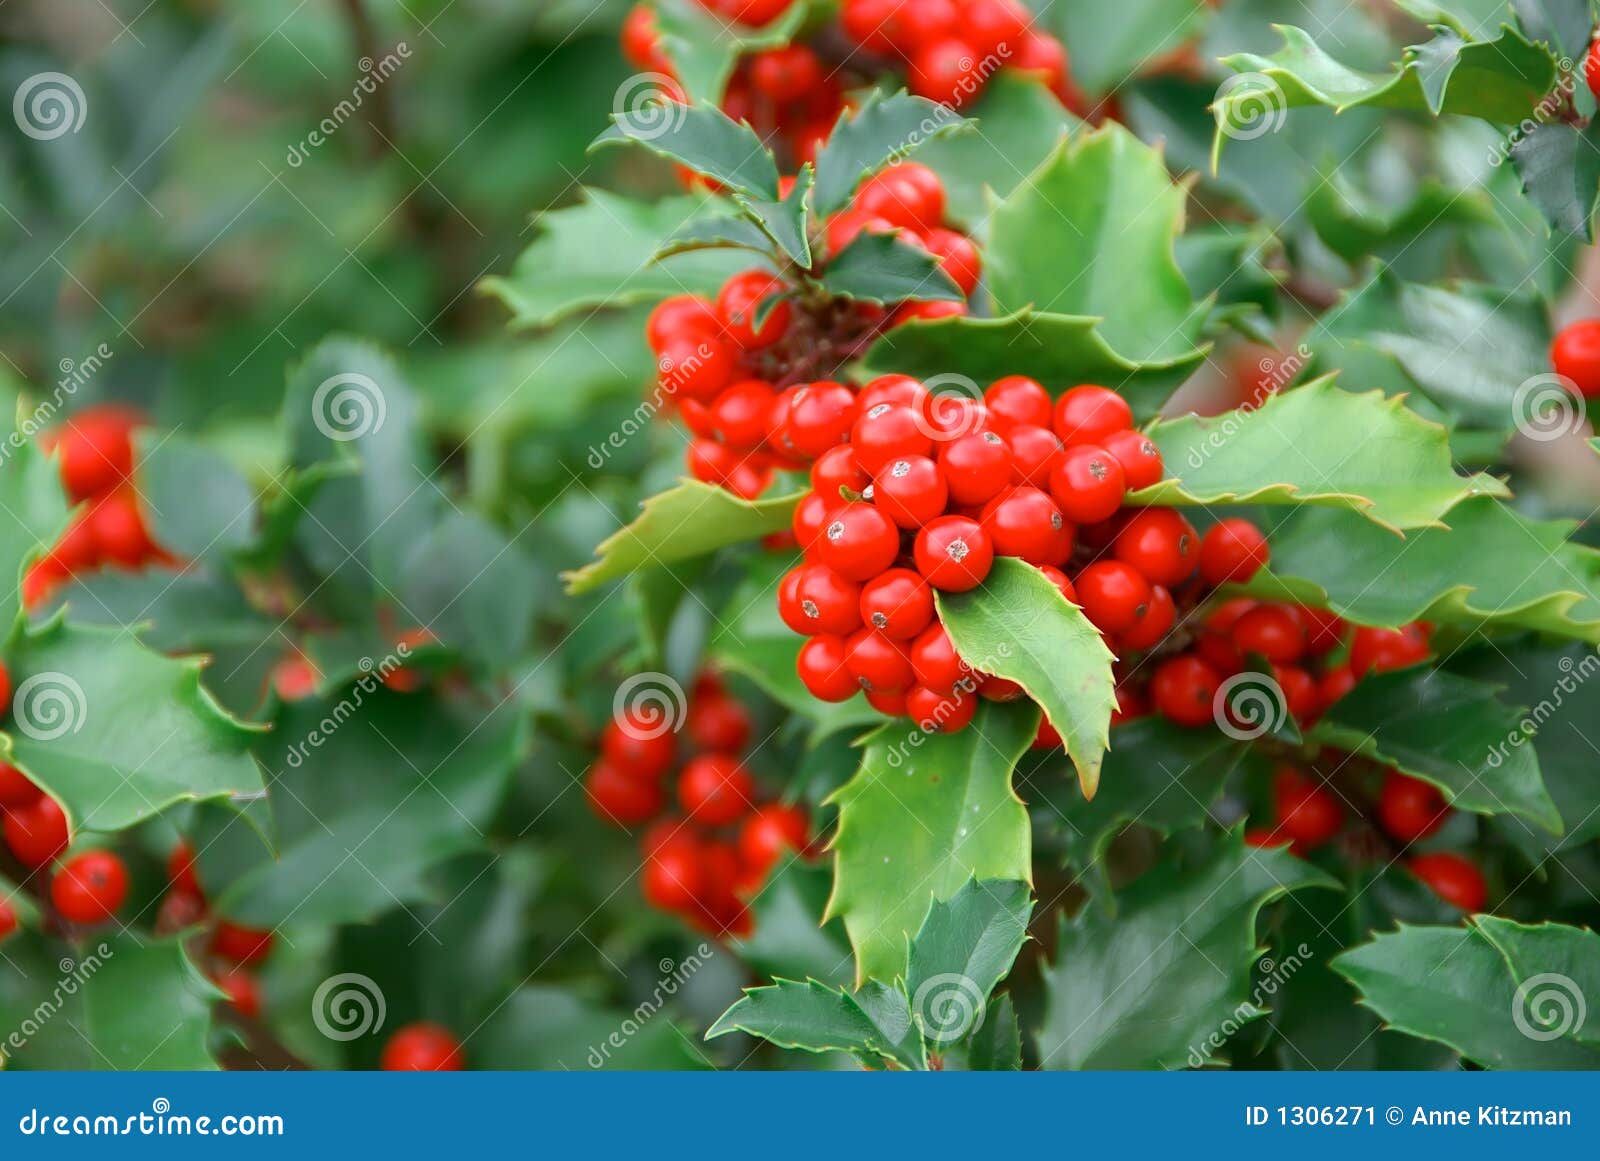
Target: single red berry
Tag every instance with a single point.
(1575, 353)
(768, 834)
(743, 297)
(869, 23)
(954, 553)
(820, 417)
(885, 432)
(940, 713)
(897, 603)
(1046, 737)
(843, 228)
(715, 789)
(1454, 878)
(897, 390)
(95, 449)
(823, 670)
(719, 910)
(1308, 812)
(77, 551)
(911, 491)
(891, 705)
(814, 599)
(952, 414)
(936, 663)
(240, 944)
(1160, 543)
(946, 71)
(1139, 457)
(1043, 56)
(909, 195)
(671, 877)
(1591, 68)
(1159, 615)
(295, 677)
(718, 722)
(8, 920)
(641, 44)
(698, 366)
(926, 311)
(1114, 595)
(16, 789)
(36, 832)
(422, 1047)
(739, 415)
(1409, 808)
(1214, 641)
(1299, 691)
(640, 742)
(858, 541)
(1025, 522)
(1272, 631)
(1183, 688)
(244, 994)
(1334, 684)
(1380, 650)
(957, 256)
(1035, 452)
(810, 518)
(995, 688)
(835, 469)
(976, 467)
(1232, 550)
(1017, 400)
(995, 26)
(90, 887)
(1088, 483)
(1058, 578)
(1088, 415)
(622, 798)
(878, 663)
(786, 74)
(920, 22)
(119, 529)
(681, 316)
(1324, 629)
(181, 871)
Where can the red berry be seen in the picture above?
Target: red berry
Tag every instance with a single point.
(888, 431)
(671, 877)
(718, 722)
(1139, 457)
(1591, 68)
(911, 491)
(37, 832)
(239, 944)
(719, 909)
(1159, 615)
(742, 298)
(823, 671)
(838, 468)
(1272, 631)
(1409, 808)
(77, 551)
(1035, 452)
(1575, 353)
(1379, 650)
(698, 366)
(1307, 811)
(994, 688)
(1324, 629)
(952, 414)
(786, 74)
(879, 664)
(715, 789)
(899, 390)
(1090, 414)
(858, 541)
(954, 553)
(95, 449)
(1088, 483)
(15, 787)
(909, 195)
(422, 1047)
(1182, 689)
(1058, 578)
(1160, 543)
(930, 311)
(1016, 400)
(897, 603)
(640, 41)
(936, 663)
(755, 13)
(1299, 691)
(1454, 878)
(622, 798)
(976, 467)
(683, 315)
(768, 834)
(870, 23)
(181, 872)
(640, 742)
(957, 256)
(945, 71)
(90, 888)
(739, 415)
(1114, 595)
(810, 518)
(996, 26)
(1261, 836)
(1232, 550)
(1046, 737)
(8, 919)
(891, 705)
(814, 599)
(820, 417)
(1334, 684)
(119, 530)
(940, 713)
(1025, 522)
(244, 994)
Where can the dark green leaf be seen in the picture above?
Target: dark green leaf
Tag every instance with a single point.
(881, 268)
(197, 504)
(542, 1027)
(883, 130)
(816, 1018)
(996, 1046)
(966, 946)
(785, 222)
(702, 137)
(33, 512)
(704, 47)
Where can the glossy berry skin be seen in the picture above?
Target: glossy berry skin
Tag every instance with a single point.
(119, 531)
(786, 74)
(940, 713)
(957, 256)
(1027, 523)
(1575, 353)
(976, 467)
(810, 518)
(739, 301)
(1139, 457)
(181, 872)
(1161, 544)
(908, 194)
(15, 788)
(820, 417)
(838, 468)
(715, 789)
(897, 603)
(945, 71)
(422, 1047)
(1089, 414)
(911, 491)
(879, 665)
(814, 599)
(954, 554)
(1035, 452)
(1324, 629)
(1333, 684)
(1058, 578)
(717, 721)
(36, 833)
(1183, 688)
(681, 315)
(1308, 812)
(823, 671)
(1454, 878)
(936, 663)
(888, 431)
(240, 944)
(739, 414)
(1232, 550)
(1409, 808)
(1299, 692)
(95, 449)
(1159, 615)
(858, 542)
(639, 745)
(671, 877)
(870, 23)
(1018, 400)
(1271, 631)
(768, 834)
(1088, 484)
(698, 366)
(1380, 650)
(90, 888)
(621, 798)
(1114, 595)
(1591, 68)
(996, 26)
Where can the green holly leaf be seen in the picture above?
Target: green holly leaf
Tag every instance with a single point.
(1495, 991)
(197, 504)
(874, 1023)
(33, 513)
(882, 130)
(117, 733)
(881, 268)
(720, 232)
(1556, 164)
(1149, 987)
(679, 524)
(924, 814)
(114, 1003)
(785, 222)
(1110, 43)
(600, 253)
(702, 137)
(1017, 625)
(1492, 566)
(1394, 467)
(1103, 207)
(1447, 730)
(705, 47)
(966, 946)
(1565, 25)
(546, 1028)
(473, 588)
(996, 1046)
(1499, 80)
(369, 789)
(1355, 221)
(1058, 350)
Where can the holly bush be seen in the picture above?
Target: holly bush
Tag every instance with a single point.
(961, 534)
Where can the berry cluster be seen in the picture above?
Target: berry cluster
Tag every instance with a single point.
(95, 448)
(706, 863)
(919, 492)
(231, 949)
(949, 49)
